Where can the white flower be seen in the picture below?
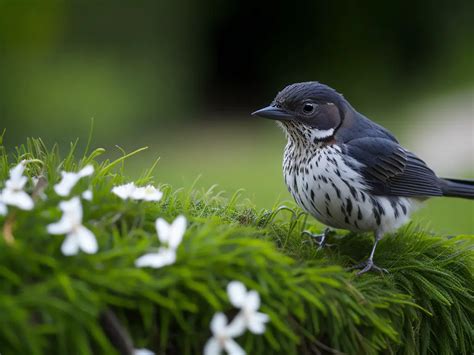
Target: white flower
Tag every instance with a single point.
(13, 193)
(143, 352)
(87, 195)
(223, 334)
(133, 192)
(248, 302)
(70, 179)
(147, 193)
(18, 198)
(16, 181)
(163, 257)
(77, 236)
(169, 234)
(124, 191)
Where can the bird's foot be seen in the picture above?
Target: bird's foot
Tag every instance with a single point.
(319, 239)
(367, 265)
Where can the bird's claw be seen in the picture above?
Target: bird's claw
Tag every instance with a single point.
(366, 266)
(322, 242)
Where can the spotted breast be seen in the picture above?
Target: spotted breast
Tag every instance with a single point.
(323, 183)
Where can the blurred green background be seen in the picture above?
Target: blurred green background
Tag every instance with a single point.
(182, 77)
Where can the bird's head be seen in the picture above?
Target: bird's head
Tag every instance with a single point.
(310, 111)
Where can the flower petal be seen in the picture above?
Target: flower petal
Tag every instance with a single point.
(168, 255)
(147, 193)
(70, 245)
(16, 184)
(237, 293)
(71, 205)
(71, 218)
(3, 209)
(178, 228)
(237, 327)
(252, 301)
(212, 347)
(18, 199)
(143, 352)
(86, 171)
(157, 260)
(163, 229)
(87, 195)
(86, 240)
(137, 193)
(72, 209)
(24, 201)
(124, 191)
(68, 181)
(17, 171)
(62, 226)
(148, 260)
(232, 348)
(256, 322)
(16, 181)
(218, 323)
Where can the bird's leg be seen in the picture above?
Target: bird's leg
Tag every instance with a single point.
(322, 237)
(369, 265)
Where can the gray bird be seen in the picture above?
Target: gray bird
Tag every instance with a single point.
(347, 171)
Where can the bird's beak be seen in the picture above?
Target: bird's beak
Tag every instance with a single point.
(273, 113)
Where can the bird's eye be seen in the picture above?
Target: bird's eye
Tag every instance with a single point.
(308, 108)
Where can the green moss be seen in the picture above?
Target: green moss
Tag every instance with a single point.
(50, 303)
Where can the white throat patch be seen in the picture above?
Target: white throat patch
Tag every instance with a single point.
(321, 134)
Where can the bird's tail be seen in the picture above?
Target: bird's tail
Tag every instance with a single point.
(458, 188)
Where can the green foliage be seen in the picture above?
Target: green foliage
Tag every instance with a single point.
(51, 303)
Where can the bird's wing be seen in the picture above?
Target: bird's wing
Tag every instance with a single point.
(389, 169)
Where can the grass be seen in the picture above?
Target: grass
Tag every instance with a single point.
(50, 303)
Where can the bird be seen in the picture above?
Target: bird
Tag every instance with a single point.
(348, 171)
